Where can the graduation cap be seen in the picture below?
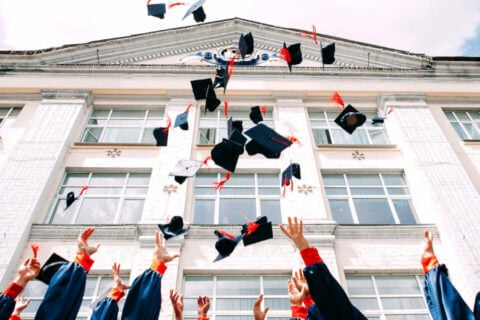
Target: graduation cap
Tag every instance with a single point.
(184, 169)
(197, 10)
(226, 153)
(292, 54)
(53, 263)
(161, 136)
(265, 141)
(257, 231)
(71, 197)
(157, 10)
(350, 119)
(174, 228)
(293, 170)
(225, 244)
(245, 44)
(200, 87)
(378, 119)
(234, 125)
(182, 121)
(255, 114)
(328, 54)
(221, 78)
(212, 102)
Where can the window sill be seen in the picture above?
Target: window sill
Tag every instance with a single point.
(114, 145)
(471, 142)
(356, 146)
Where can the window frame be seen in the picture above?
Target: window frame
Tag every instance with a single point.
(11, 114)
(459, 124)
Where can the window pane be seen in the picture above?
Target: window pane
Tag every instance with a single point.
(397, 285)
(278, 303)
(271, 209)
(403, 303)
(275, 285)
(404, 211)
(269, 191)
(132, 211)
(234, 304)
(90, 286)
(359, 136)
(361, 285)
(394, 179)
(367, 191)
(335, 191)
(62, 216)
(236, 211)
(125, 135)
(201, 191)
(206, 136)
(378, 136)
(231, 286)
(341, 211)
(205, 179)
(268, 179)
(35, 288)
(365, 303)
(156, 113)
(100, 113)
(322, 136)
(98, 211)
(397, 191)
(373, 211)
(228, 191)
(458, 128)
(408, 317)
(78, 179)
(141, 179)
(92, 134)
(198, 286)
(333, 180)
(364, 179)
(242, 180)
(107, 179)
(128, 114)
(147, 136)
(126, 123)
(204, 211)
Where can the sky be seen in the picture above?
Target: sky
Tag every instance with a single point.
(431, 27)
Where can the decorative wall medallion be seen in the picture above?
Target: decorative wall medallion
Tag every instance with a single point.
(170, 188)
(305, 189)
(358, 155)
(222, 56)
(114, 153)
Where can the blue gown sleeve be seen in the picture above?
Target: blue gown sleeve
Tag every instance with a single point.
(64, 294)
(330, 298)
(7, 305)
(144, 297)
(106, 309)
(476, 310)
(443, 300)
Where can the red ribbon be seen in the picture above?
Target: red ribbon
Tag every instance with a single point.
(84, 188)
(35, 251)
(171, 5)
(219, 185)
(169, 124)
(337, 99)
(312, 36)
(225, 108)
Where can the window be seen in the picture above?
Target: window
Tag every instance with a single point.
(465, 123)
(96, 287)
(213, 125)
(243, 198)
(8, 115)
(369, 198)
(232, 297)
(122, 126)
(326, 131)
(389, 297)
(110, 198)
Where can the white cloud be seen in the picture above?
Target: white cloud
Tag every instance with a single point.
(434, 27)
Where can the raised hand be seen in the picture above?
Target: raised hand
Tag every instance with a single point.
(258, 314)
(27, 271)
(82, 242)
(203, 304)
(295, 296)
(118, 282)
(20, 305)
(295, 232)
(161, 252)
(177, 303)
(300, 281)
(428, 249)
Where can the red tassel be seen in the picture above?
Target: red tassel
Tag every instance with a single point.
(205, 161)
(292, 139)
(84, 188)
(263, 109)
(337, 99)
(390, 110)
(35, 251)
(148, 2)
(251, 227)
(312, 36)
(279, 141)
(219, 185)
(226, 235)
(189, 106)
(171, 5)
(225, 108)
(169, 124)
(230, 67)
(285, 54)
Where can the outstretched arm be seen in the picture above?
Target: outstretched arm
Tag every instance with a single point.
(258, 313)
(20, 305)
(177, 303)
(203, 305)
(428, 260)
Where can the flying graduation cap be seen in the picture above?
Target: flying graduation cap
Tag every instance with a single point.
(350, 119)
(161, 134)
(245, 44)
(292, 54)
(328, 53)
(197, 10)
(200, 88)
(225, 244)
(266, 141)
(211, 102)
(257, 231)
(182, 121)
(50, 267)
(156, 10)
(71, 197)
(185, 169)
(234, 125)
(256, 114)
(380, 119)
(226, 153)
(174, 228)
(293, 170)
(221, 78)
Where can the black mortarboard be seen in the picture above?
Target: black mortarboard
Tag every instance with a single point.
(212, 102)
(293, 170)
(255, 114)
(157, 10)
(221, 78)
(184, 169)
(225, 244)
(234, 125)
(53, 263)
(226, 153)
(257, 231)
(350, 119)
(71, 197)
(174, 228)
(328, 53)
(265, 141)
(161, 136)
(245, 44)
(378, 119)
(295, 54)
(197, 10)
(182, 121)
(200, 87)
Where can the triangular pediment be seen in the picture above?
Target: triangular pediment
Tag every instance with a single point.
(212, 43)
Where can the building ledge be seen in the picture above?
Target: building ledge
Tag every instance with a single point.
(103, 145)
(324, 147)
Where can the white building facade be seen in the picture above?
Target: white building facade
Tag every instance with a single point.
(84, 114)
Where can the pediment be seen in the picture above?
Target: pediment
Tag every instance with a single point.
(212, 43)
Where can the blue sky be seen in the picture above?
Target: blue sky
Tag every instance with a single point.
(432, 27)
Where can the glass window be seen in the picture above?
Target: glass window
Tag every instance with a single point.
(213, 125)
(111, 198)
(244, 197)
(465, 123)
(232, 297)
(326, 131)
(96, 287)
(389, 296)
(369, 198)
(7, 116)
(123, 126)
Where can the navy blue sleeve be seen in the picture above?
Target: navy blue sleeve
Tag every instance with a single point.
(443, 300)
(144, 297)
(64, 294)
(476, 309)
(106, 309)
(330, 298)
(7, 305)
